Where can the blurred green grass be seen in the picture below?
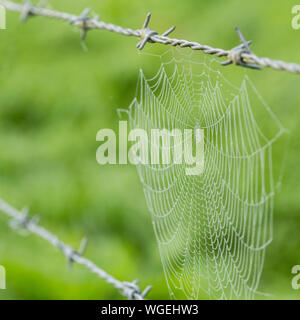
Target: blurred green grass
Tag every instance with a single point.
(54, 99)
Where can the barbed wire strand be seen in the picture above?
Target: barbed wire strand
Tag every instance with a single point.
(20, 220)
(240, 55)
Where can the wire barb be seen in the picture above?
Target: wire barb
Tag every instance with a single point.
(26, 10)
(43, 4)
(133, 292)
(80, 252)
(21, 222)
(146, 291)
(147, 33)
(235, 55)
(168, 31)
(83, 22)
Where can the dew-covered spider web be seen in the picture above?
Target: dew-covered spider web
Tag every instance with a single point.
(212, 229)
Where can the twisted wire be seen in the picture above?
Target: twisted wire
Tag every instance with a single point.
(152, 36)
(20, 220)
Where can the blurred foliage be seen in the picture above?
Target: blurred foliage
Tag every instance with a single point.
(54, 99)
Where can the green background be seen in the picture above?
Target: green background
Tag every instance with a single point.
(54, 97)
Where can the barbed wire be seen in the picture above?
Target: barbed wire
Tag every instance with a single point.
(20, 220)
(240, 55)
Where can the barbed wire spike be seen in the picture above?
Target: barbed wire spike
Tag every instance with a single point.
(26, 10)
(21, 222)
(134, 291)
(245, 43)
(43, 4)
(83, 245)
(235, 54)
(97, 18)
(168, 31)
(82, 22)
(80, 252)
(146, 291)
(147, 33)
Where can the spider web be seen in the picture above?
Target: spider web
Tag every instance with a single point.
(212, 229)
